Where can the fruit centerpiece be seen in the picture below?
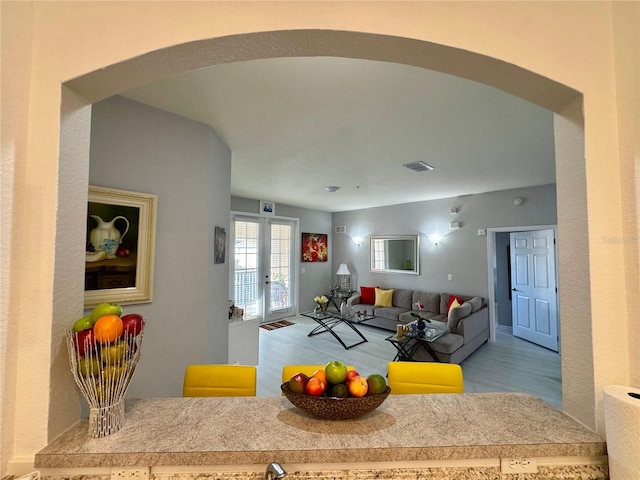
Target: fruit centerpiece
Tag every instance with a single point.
(335, 392)
(104, 349)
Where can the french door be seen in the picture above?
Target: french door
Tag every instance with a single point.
(263, 274)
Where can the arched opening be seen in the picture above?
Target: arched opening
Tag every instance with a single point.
(114, 79)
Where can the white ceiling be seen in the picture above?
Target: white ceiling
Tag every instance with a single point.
(296, 125)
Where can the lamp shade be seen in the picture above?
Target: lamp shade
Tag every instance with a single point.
(343, 270)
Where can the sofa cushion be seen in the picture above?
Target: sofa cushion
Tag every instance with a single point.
(368, 295)
(431, 301)
(392, 313)
(453, 305)
(448, 343)
(453, 298)
(476, 304)
(384, 298)
(402, 298)
(446, 299)
(456, 314)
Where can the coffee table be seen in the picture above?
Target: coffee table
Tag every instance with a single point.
(409, 344)
(327, 321)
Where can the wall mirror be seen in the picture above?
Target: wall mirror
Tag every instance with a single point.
(395, 254)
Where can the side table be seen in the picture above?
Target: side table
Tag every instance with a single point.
(341, 295)
(408, 345)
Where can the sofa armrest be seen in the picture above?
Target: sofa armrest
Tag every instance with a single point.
(472, 325)
(353, 300)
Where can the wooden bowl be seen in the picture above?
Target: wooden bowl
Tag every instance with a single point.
(333, 408)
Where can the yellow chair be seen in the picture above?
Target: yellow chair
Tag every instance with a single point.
(289, 371)
(219, 381)
(425, 377)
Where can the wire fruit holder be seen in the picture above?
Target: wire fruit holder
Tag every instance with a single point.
(103, 373)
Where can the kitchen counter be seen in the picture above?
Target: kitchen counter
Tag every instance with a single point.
(234, 431)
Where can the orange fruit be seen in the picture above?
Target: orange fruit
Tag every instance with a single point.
(108, 328)
(315, 387)
(358, 386)
(320, 375)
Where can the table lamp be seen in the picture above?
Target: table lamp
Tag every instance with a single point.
(344, 277)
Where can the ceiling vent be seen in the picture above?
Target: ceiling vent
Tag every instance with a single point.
(418, 166)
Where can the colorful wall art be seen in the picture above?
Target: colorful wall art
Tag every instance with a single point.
(315, 247)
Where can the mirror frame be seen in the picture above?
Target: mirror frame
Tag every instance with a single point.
(416, 254)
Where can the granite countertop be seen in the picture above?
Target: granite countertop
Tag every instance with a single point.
(259, 430)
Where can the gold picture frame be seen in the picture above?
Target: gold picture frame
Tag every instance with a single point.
(120, 267)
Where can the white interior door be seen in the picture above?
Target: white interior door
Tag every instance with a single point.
(533, 287)
(263, 278)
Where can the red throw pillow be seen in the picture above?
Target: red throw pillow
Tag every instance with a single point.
(451, 299)
(368, 295)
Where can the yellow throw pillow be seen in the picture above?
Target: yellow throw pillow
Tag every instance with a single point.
(384, 298)
(453, 305)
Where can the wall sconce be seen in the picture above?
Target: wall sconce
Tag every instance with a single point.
(435, 238)
(344, 278)
(454, 210)
(357, 240)
(455, 225)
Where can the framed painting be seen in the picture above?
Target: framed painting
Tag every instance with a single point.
(120, 247)
(220, 241)
(267, 208)
(315, 247)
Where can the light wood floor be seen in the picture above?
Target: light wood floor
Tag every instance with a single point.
(507, 365)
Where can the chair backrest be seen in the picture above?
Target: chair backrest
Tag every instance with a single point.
(219, 380)
(425, 377)
(289, 371)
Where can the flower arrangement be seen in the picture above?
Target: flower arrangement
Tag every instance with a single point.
(321, 301)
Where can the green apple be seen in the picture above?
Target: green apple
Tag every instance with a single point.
(89, 367)
(336, 372)
(83, 324)
(115, 353)
(113, 373)
(105, 308)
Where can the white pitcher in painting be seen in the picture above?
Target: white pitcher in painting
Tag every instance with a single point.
(106, 236)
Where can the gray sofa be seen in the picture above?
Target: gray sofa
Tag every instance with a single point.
(468, 325)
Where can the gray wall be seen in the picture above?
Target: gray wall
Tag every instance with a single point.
(461, 252)
(139, 148)
(314, 278)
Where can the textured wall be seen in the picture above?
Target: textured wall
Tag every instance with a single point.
(571, 43)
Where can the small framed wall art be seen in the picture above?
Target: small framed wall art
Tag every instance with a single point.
(220, 242)
(267, 208)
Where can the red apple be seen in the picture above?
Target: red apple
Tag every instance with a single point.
(351, 374)
(122, 252)
(84, 340)
(133, 324)
(298, 383)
